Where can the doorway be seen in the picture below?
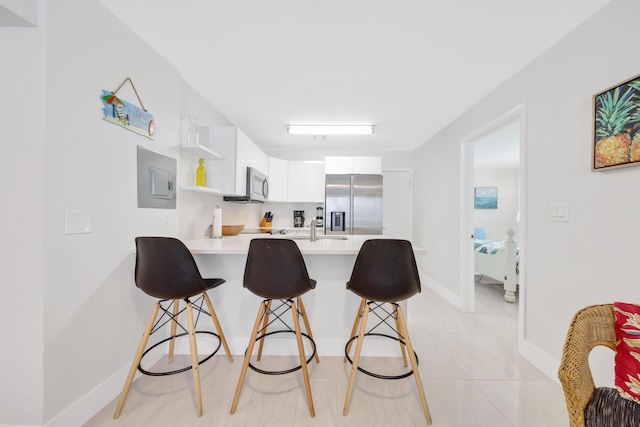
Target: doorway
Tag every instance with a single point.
(515, 117)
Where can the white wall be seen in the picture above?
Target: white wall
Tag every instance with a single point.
(590, 259)
(22, 166)
(496, 221)
(93, 313)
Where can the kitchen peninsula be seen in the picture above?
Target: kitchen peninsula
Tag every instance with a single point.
(331, 308)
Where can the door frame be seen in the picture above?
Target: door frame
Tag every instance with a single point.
(467, 294)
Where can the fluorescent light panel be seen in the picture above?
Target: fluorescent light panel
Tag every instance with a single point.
(330, 129)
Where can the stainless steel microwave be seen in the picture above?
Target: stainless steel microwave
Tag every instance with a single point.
(257, 190)
(257, 185)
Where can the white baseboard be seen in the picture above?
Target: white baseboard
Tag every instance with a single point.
(545, 363)
(88, 405)
(443, 292)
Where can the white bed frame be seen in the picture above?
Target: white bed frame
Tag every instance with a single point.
(501, 266)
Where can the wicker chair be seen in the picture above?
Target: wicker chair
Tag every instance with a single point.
(587, 405)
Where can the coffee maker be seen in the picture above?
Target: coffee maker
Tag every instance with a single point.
(319, 216)
(298, 219)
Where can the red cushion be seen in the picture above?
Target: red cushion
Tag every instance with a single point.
(627, 358)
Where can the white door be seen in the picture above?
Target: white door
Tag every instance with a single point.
(397, 203)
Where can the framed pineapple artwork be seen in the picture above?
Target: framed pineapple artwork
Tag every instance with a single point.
(616, 126)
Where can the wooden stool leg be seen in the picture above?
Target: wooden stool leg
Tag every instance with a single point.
(414, 365)
(247, 357)
(355, 326)
(174, 325)
(136, 360)
(303, 358)
(264, 329)
(356, 359)
(396, 307)
(195, 366)
(306, 324)
(216, 323)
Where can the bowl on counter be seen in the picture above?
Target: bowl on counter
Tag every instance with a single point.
(232, 230)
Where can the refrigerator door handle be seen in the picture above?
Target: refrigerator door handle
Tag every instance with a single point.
(351, 205)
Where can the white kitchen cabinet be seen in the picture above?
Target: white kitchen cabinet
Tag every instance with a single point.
(278, 180)
(338, 165)
(238, 152)
(306, 182)
(297, 187)
(353, 165)
(367, 165)
(250, 154)
(315, 182)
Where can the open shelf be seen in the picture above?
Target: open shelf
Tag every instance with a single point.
(200, 150)
(198, 189)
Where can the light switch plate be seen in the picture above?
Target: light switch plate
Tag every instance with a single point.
(558, 212)
(78, 222)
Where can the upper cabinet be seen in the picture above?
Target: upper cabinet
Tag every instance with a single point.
(238, 152)
(315, 182)
(306, 181)
(250, 155)
(296, 181)
(278, 180)
(353, 165)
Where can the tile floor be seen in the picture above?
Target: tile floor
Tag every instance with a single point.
(472, 377)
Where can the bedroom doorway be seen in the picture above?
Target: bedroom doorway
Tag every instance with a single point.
(483, 147)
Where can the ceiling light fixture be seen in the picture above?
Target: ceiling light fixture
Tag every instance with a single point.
(330, 129)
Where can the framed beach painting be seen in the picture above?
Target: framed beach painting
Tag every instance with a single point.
(616, 126)
(486, 197)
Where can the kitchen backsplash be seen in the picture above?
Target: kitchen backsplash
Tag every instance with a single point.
(197, 214)
(283, 213)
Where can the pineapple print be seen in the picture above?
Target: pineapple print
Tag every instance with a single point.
(613, 150)
(634, 153)
(614, 114)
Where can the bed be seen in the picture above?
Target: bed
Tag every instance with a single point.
(499, 260)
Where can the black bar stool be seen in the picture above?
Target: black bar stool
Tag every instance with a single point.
(275, 270)
(165, 269)
(385, 272)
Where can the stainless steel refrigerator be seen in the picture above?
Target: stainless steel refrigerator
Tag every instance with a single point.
(353, 204)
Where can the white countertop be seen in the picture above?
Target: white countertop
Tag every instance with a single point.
(234, 245)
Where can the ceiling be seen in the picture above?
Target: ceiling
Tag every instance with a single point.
(408, 66)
